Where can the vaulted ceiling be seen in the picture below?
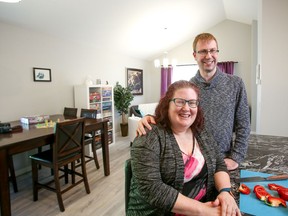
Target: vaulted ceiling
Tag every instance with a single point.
(138, 28)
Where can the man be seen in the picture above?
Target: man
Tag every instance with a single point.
(223, 99)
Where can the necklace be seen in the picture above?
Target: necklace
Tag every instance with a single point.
(193, 146)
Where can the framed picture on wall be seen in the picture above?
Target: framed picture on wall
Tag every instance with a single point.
(42, 75)
(135, 80)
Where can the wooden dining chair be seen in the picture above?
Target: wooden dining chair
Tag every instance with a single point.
(90, 137)
(70, 112)
(67, 148)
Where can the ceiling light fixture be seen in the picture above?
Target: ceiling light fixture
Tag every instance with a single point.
(165, 62)
(10, 1)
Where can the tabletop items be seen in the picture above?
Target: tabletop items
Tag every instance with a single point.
(33, 119)
(260, 178)
(5, 128)
(47, 124)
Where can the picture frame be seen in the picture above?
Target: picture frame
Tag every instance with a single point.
(42, 75)
(135, 80)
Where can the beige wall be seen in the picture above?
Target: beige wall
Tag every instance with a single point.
(71, 63)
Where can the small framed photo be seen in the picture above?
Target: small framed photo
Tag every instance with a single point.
(42, 74)
(135, 80)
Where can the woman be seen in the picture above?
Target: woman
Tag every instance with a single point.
(177, 167)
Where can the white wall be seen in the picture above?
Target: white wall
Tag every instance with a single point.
(254, 96)
(71, 63)
(273, 60)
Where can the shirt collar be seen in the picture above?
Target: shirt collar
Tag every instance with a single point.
(212, 83)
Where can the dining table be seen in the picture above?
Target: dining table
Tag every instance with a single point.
(32, 137)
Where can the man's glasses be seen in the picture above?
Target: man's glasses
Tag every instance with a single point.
(205, 52)
(179, 102)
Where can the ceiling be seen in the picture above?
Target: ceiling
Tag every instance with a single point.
(139, 28)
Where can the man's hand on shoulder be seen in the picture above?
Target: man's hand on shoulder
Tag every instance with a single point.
(231, 164)
(144, 123)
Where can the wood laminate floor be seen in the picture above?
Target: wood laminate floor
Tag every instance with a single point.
(106, 197)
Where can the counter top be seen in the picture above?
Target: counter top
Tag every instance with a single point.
(267, 154)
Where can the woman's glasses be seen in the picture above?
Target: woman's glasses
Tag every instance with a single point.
(179, 102)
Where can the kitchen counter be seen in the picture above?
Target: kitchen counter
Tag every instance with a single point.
(267, 154)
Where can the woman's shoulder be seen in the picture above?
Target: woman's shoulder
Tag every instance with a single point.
(154, 140)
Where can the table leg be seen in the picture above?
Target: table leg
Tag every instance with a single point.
(105, 149)
(4, 186)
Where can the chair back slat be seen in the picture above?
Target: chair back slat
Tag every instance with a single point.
(70, 112)
(89, 113)
(69, 139)
(90, 136)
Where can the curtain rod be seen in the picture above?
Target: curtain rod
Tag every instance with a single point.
(229, 61)
(186, 64)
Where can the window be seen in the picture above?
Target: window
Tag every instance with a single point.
(184, 72)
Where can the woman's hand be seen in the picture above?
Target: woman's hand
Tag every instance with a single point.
(212, 208)
(190, 207)
(228, 204)
(144, 123)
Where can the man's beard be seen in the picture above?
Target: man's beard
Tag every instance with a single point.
(209, 70)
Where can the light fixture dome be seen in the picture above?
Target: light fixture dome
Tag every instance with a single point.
(165, 62)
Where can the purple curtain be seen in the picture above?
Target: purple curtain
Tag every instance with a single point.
(166, 79)
(226, 67)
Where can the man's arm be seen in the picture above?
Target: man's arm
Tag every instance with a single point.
(144, 123)
(231, 164)
(242, 126)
